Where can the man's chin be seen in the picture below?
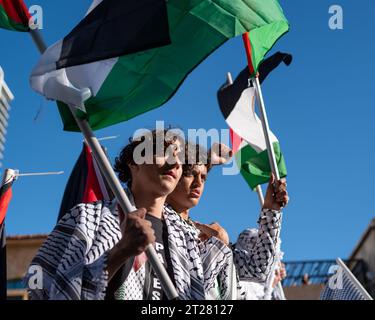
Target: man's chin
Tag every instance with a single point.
(167, 186)
(193, 202)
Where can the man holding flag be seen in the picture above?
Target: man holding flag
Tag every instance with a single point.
(193, 267)
(237, 103)
(253, 256)
(93, 241)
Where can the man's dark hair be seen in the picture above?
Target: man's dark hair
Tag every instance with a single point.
(126, 156)
(195, 154)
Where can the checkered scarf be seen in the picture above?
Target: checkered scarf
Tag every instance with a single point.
(71, 264)
(196, 265)
(72, 261)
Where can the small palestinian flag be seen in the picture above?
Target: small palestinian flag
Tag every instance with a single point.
(237, 103)
(85, 184)
(5, 197)
(14, 15)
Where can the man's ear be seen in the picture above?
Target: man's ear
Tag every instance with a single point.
(134, 168)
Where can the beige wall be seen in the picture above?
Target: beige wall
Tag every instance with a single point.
(305, 292)
(20, 252)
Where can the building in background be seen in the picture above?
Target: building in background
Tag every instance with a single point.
(365, 251)
(20, 251)
(6, 97)
(306, 279)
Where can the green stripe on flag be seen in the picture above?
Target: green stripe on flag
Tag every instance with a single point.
(7, 23)
(263, 39)
(144, 81)
(255, 167)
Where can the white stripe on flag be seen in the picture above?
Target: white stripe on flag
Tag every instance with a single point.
(245, 123)
(69, 85)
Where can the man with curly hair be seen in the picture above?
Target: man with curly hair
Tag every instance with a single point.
(93, 242)
(192, 266)
(254, 256)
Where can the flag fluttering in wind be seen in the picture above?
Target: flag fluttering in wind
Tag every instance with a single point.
(5, 197)
(86, 183)
(126, 86)
(261, 42)
(14, 15)
(237, 103)
(252, 158)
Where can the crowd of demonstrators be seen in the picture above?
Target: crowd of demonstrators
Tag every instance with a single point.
(97, 252)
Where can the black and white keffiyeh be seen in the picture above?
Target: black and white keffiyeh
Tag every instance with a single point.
(72, 261)
(207, 270)
(255, 251)
(256, 255)
(196, 264)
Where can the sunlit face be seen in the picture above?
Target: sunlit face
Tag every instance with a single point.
(162, 176)
(189, 189)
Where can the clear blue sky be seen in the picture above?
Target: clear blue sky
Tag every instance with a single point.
(321, 108)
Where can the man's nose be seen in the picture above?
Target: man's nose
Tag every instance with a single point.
(177, 163)
(198, 180)
(176, 158)
(174, 161)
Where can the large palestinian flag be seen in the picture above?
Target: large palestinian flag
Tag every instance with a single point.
(237, 103)
(14, 15)
(128, 85)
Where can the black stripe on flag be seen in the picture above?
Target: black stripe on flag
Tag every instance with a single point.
(228, 95)
(75, 187)
(116, 28)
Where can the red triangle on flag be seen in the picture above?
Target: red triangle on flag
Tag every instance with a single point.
(235, 140)
(93, 190)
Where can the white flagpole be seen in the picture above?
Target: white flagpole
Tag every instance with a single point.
(270, 150)
(261, 201)
(108, 138)
(355, 281)
(17, 174)
(258, 188)
(260, 195)
(114, 183)
(262, 107)
(266, 129)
